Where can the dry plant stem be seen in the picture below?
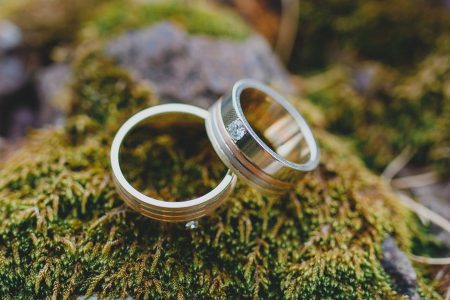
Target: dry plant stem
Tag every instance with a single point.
(407, 182)
(414, 181)
(428, 214)
(425, 212)
(397, 164)
(430, 260)
(288, 29)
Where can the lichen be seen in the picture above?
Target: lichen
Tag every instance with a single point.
(66, 232)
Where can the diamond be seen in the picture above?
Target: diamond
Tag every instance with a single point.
(191, 225)
(236, 130)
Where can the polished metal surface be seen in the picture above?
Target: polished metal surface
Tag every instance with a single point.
(157, 208)
(261, 137)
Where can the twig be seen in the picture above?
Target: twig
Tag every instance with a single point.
(290, 17)
(424, 212)
(413, 181)
(398, 164)
(430, 260)
(435, 218)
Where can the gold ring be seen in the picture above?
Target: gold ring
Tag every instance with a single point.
(261, 137)
(155, 208)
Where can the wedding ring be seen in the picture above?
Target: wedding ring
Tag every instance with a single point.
(261, 137)
(157, 208)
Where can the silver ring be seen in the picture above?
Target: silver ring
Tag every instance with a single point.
(160, 209)
(261, 137)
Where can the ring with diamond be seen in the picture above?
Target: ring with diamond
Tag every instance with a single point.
(261, 137)
(174, 114)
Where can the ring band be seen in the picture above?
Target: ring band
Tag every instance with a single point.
(159, 209)
(261, 137)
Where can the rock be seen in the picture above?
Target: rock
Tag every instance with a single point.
(192, 68)
(12, 75)
(10, 36)
(254, 246)
(18, 111)
(51, 82)
(399, 268)
(25, 102)
(22, 118)
(14, 86)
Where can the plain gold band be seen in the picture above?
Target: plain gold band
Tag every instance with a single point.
(159, 209)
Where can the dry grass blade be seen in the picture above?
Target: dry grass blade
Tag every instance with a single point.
(430, 260)
(397, 164)
(424, 212)
(288, 29)
(414, 181)
(433, 217)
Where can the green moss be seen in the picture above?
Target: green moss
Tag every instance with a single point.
(154, 165)
(66, 232)
(46, 24)
(399, 33)
(391, 90)
(119, 16)
(392, 113)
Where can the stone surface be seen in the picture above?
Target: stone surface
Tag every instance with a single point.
(195, 69)
(10, 36)
(29, 102)
(397, 265)
(16, 102)
(12, 75)
(51, 83)
(304, 245)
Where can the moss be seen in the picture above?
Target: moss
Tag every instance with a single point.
(393, 112)
(66, 232)
(46, 24)
(154, 166)
(119, 16)
(390, 91)
(399, 33)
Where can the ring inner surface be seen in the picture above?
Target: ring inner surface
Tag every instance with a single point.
(169, 157)
(274, 125)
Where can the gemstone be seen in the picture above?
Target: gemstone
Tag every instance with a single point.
(236, 130)
(191, 225)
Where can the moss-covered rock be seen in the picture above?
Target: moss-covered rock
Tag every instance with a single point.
(47, 24)
(66, 232)
(194, 68)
